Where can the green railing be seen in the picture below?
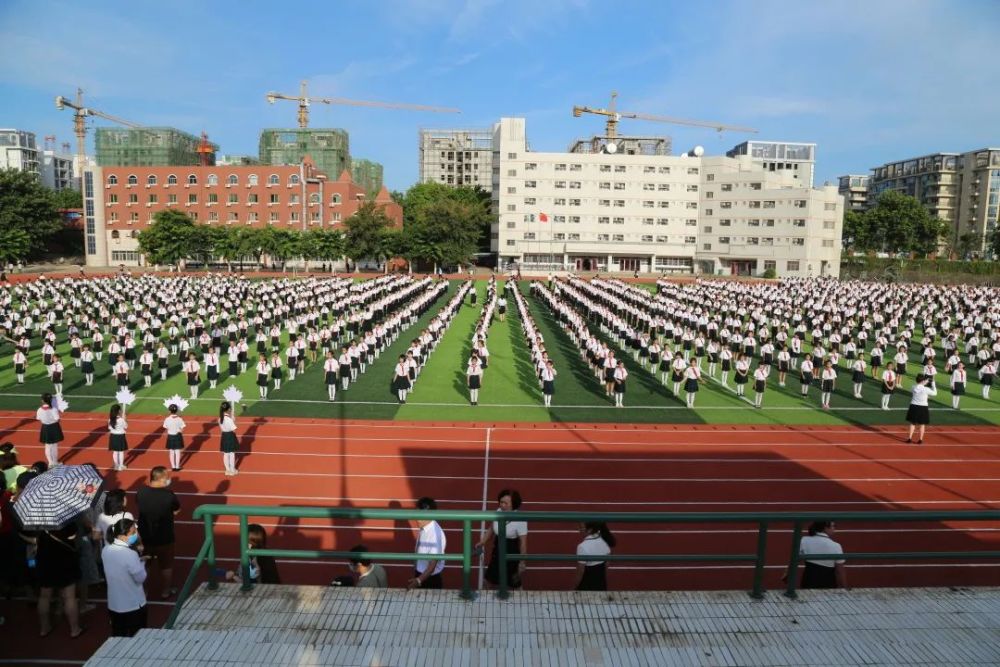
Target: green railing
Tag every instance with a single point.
(763, 521)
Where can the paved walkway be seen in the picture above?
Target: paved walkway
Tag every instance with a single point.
(302, 625)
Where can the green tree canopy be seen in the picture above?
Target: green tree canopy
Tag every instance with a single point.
(445, 224)
(27, 206)
(67, 198)
(366, 232)
(167, 240)
(896, 224)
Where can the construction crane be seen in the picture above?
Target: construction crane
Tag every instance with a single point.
(205, 150)
(80, 114)
(613, 116)
(304, 101)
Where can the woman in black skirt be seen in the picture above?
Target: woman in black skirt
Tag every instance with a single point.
(229, 442)
(117, 443)
(918, 415)
(592, 570)
(58, 569)
(517, 542)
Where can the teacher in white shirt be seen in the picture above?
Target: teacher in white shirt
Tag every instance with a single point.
(919, 414)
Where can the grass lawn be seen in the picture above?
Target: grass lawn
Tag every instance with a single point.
(510, 390)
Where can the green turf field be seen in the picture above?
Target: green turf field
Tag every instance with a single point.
(510, 390)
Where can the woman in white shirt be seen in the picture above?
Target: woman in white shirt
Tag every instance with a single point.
(229, 443)
(822, 573)
(174, 427)
(919, 414)
(592, 571)
(117, 443)
(509, 500)
(125, 574)
(112, 512)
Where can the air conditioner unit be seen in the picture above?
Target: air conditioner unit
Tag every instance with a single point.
(107, 186)
(187, 185)
(148, 186)
(148, 204)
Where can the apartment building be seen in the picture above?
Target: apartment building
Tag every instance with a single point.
(456, 157)
(19, 150)
(854, 189)
(615, 211)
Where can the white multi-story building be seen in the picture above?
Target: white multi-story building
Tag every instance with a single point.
(792, 156)
(456, 157)
(601, 211)
(18, 150)
(57, 170)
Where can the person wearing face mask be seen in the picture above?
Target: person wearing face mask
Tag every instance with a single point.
(125, 573)
(157, 507)
(263, 569)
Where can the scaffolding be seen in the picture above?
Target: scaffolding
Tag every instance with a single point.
(631, 145)
(457, 157)
(367, 174)
(147, 147)
(329, 148)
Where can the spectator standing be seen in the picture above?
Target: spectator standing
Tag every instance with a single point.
(430, 540)
(58, 565)
(597, 541)
(822, 573)
(125, 573)
(157, 507)
(919, 413)
(112, 512)
(366, 573)
(509, 500)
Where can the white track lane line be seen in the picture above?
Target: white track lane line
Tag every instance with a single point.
(485, 497)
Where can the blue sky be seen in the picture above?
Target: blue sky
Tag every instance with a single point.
(869, 82)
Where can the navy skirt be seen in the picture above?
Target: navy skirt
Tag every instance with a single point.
(51, 434)
(229, 444)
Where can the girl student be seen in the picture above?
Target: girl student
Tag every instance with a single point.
(760, 383)
(784, 362)
(263, 376)
(330, 369)
(474, 378)
(193, 371)
(548, 383)
(958, 381)
(592, 570)
(726, 356)
(888, 384)
(828, 380)
(146, 367)
(345, 368)
(276, 372)
(400, 378)
(174, 426)
(162, 360)
(228, 443)
(51, 432)
(742, 374)
(987, 373)
(620, 375)
(117, 443)
(678, 367)
(692, 378)
(87, 365)
(806, 375)
(858, 368)
(211, 359)
(56, 372)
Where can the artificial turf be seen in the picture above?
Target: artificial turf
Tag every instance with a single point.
(510, 390)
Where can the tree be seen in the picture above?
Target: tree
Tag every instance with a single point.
(899, 223)
(968, 245)
(856, 234)
(364, 236)
(328, 245)
(994, 243)
(167, 240)
(15, 245)
(202, 241)
(448, 231)
(67, 198)
(28, 206)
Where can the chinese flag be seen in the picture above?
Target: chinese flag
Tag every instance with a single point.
(542, 217)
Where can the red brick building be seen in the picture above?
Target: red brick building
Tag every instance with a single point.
(120, 201)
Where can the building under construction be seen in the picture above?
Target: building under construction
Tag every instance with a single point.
(328, 148)
(367, 174)
(457, 157)
(150, 147)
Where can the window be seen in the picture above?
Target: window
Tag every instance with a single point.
(649, 170)
(114, 216)
(530, 166)
(769, 222)
(648, 221)
(725, 204)
(335, 199)
(512, 172)
(171, 199)
(726, 187)
(618, 237)
(620, 203)
(648, 203)
(213, 180)
(293, 199)
(792, 265)
(511, 190)
(530, 184)
(132, 180)
(691, 222)
(692, 188)
(192, 179)
(112, 180)
(559, 218)
(252, 179)
(753, 240)
(604, 220)
(706, 246)
(769, 203)
(575, 167)
(560, 185)
(604, 185)
(313, 198)
(603, 237)
(618, 221)
(770, 265)
(690, 240)
(800, 203)
(708, 211)
(692, 171)
(663, 239)
(692, 205)
(829, 224)
(798, 240)
(253, 199)
(604, 202)
(511, 156)
(559, 201)
(605, 167)
(151, 180)
(115, 235)
(558, 237)
(272, 217)
(649, 187)
(510, 242)
(767, 240)
(529, 201)
(153, 199)
(619, 185)
(293, 179)
(133, 199)
(647, 238)
(827, 243)
(829, 206)
(707, 229)
(664, 170)
(753, 204)
(574, 202)
(755, 186)
(754, 222)
(574, 218)
(799, 222)
(273, 179)
(171, 179)
(709, 195)
(560, 167)
(663, 187)
(274, 198)
(529, 236)
(710, 178)
(574, 185)
(192, 198)
(233, 199)
(213, 197)
(725, 222)
(133, 217)
(112, 199)
(619, 169)
(511, 225)
(574, 237)
(724, 239)
(664, 204)
(294, 216)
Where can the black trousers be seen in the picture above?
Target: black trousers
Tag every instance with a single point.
(126, 624)
(433, 581)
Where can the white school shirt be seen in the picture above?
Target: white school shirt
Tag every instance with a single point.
(48, 415)
(958, 376)
(859, 365)
(760, 374)
(514, 529)
(692, 373)
(621, 374)
(549, 374)
(263, 368)
(820, 543)
(921, 393)
(331, 365)
(592, 546)
(402, 369)
(119, 428)
(228, 424)
(431, 540)
(173, 424)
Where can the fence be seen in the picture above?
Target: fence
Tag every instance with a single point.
(764, 522)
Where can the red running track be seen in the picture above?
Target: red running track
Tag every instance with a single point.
(597, 467)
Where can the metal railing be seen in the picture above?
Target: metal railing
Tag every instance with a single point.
(764, 522)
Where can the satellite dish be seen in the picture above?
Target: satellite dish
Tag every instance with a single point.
(611, 147)
(698, 151)
(684, 155)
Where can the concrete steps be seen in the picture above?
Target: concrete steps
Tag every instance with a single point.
(301, 625)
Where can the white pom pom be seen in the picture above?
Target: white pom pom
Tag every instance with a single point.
(232, 394)
(125, 396)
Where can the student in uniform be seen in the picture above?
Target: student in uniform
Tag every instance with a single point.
(806, 375)
(858, 367)
(20, 364)
(117, 443)
(759, 384)
(121, 369)
(276, 372)
(56, 371)
(888, 384)
(900, 359)
(784, 363)
(987, 373)
(742, 374)
(474, 379)
(958, 380)
(548, 383)
(692, 379)
(918, 415)
(610, 365)
(229, 442)
(678, 367)
(400, 378)
(263, 376)
(330, 368)
(597, 541)
(726, 356)
(162, 360)
(87, 365)
(193, 371)
(345, 368)
(620, 375)
(51, 432)
(174, 426)
(212, 366)
(828, 380)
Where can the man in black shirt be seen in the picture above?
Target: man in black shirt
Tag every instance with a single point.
(157, 507)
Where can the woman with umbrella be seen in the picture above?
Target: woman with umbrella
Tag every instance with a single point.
(51, 434)
(117, 443)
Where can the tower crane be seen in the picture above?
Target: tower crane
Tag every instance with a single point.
(613, 116)
(80, 114)
(304, 101)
